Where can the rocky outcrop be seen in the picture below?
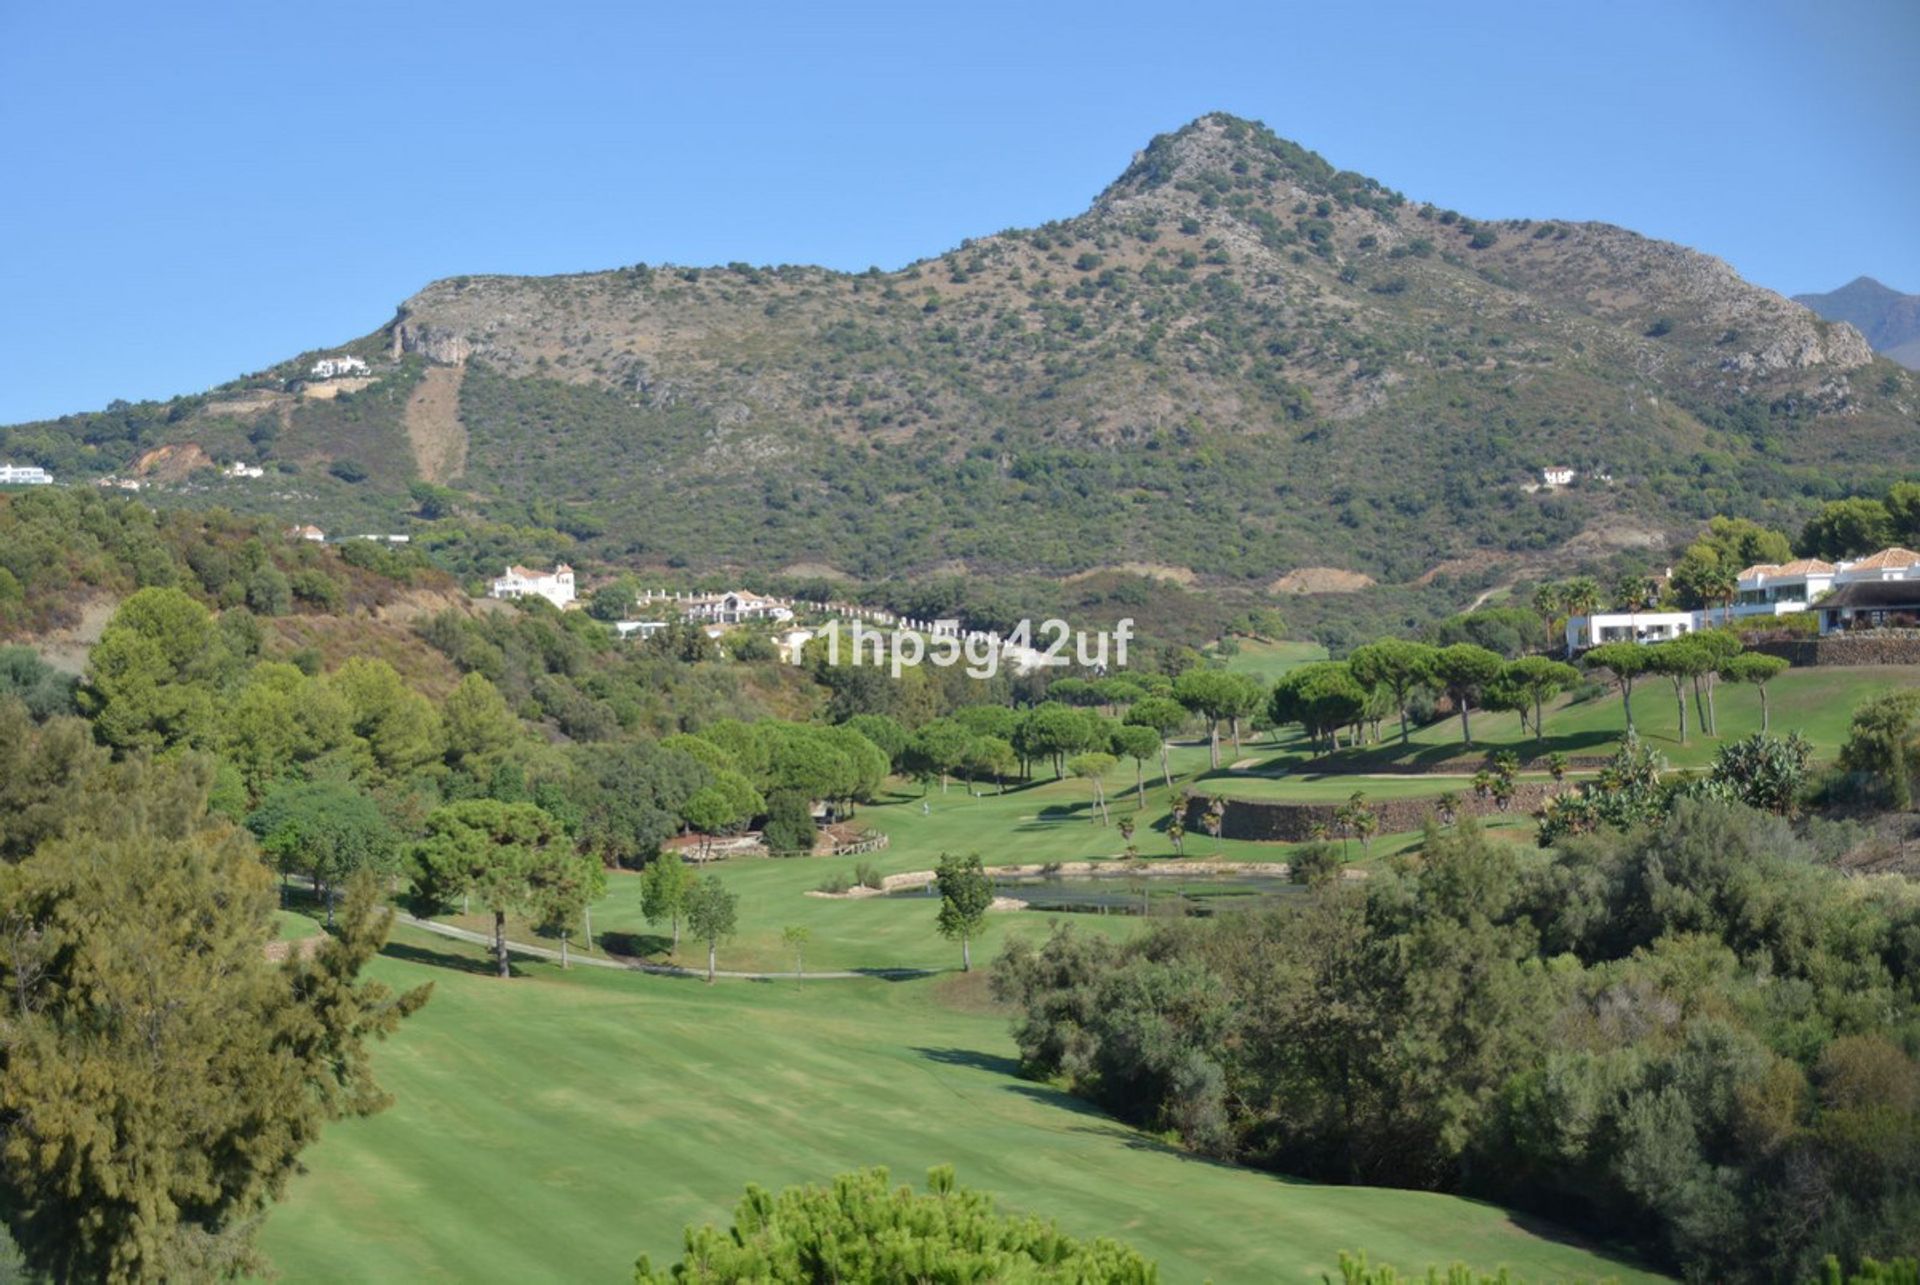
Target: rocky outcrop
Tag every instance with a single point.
(435, 343)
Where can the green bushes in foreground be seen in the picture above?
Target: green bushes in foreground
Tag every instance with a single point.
(1689, 1032)
(859, 1229)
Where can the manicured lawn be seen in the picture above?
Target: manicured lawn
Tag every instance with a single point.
(1045, 821)
(1818, 702)
(298, 923)
(1041, 822)
(1268, 660)
(554, 1127)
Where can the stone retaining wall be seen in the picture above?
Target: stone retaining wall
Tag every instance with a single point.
(1465, 765)
(1868, 647)
(1294, 822)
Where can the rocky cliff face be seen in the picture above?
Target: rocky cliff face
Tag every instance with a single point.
(437, 343)
(1889, 320)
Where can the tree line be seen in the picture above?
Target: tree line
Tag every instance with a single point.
(1690, 1034)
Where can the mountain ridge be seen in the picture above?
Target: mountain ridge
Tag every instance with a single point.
(1239, 359)
(1887, 318)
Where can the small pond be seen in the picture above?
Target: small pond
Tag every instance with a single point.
(1134, 895)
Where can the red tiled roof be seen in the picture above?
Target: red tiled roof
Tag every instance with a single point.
(1886, 560)
(1804, 567)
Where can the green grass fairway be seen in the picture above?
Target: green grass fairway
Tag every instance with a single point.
(554, 1127)
(1268, 660)
(1818, 702)
(1044, 821)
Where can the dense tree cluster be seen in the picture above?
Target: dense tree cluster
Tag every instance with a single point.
(1690, 1031)
(160, 1076)
(58, 543)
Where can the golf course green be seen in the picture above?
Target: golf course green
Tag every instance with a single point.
(556, 1126)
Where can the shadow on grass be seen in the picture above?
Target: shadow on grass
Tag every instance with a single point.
(439, 959)
(631, 945)
(1079, 810)
(1390, 756)
(974, 1058)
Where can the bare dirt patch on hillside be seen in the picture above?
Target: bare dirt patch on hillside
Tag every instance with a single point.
(1607, 538)
(253, 402)
(813, 571)
(66, 648)
(1321, 580)
(172, 463)
(327, 390)
(1146, 570)
(434, 430)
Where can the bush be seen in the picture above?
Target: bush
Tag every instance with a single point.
(269, 593)
(43, 689)
(868, 875)
(1314, 864)
(754, 647)
(348, 470)
(1586, 690)
(789, 826)
(316, 589)
(869, 1232)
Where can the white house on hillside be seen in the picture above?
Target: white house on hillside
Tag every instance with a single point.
(735, 607)
(240, 468)
(24, 475)
(307, 532)
(332, 367)
(1557, 476)
(555, 586)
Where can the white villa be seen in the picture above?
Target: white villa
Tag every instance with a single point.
(333, 367)
(1842, 592)
(24, 475)
(307, 532)
(734, 607)
(641, 629)
(1557, 475)
(240, 468)
(555, 586)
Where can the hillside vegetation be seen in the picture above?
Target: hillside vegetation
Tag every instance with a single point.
(1238, 363)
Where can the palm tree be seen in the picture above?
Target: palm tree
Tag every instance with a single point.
(1579, 596)
(1549, 600)
(1363, 820)
(1215, 816)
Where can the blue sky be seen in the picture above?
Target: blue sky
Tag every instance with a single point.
(189, 191)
